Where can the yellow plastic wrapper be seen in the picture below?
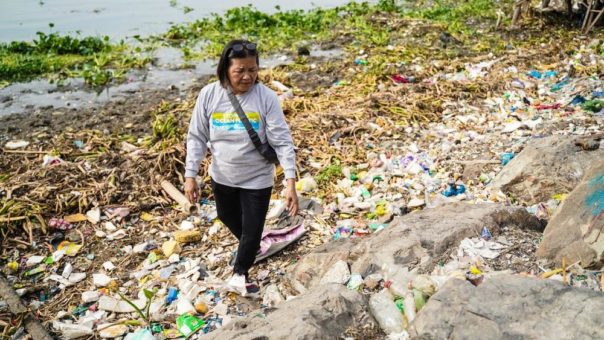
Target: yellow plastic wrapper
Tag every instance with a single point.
(70, 248)
(12, 266)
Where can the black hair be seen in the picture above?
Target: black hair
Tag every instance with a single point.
(228, 54)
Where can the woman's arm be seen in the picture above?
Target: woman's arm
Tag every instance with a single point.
(279, 137)
(197, 148)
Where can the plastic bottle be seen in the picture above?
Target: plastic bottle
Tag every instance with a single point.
(172, 295)
(420, 299)
(409, 305)
(396, 288)
(386, 313)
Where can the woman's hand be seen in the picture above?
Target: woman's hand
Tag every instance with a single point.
(191, 190)
(291, 197)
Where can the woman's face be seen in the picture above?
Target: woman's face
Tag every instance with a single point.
(243, 73)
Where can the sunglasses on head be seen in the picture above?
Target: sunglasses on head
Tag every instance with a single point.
(237, 48)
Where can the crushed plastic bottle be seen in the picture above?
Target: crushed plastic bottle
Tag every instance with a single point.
(386, 313)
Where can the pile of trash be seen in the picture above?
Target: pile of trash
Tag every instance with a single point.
(394, 302)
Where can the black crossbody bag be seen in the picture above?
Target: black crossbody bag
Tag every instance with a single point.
(265, 149)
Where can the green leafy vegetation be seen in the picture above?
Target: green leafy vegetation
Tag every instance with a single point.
(93, 58)
(277, 31)
(356, 25)
(144, 313)
(460, 15)
(329, 173)
(355, 22)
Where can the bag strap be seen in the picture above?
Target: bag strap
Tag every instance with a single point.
(246, 122)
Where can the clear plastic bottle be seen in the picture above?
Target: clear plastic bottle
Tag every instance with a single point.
(396, 288)
(386, 313)
(409, 305)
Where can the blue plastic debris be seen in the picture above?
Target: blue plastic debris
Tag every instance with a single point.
(486, 234)
(538, 75)
(454, 190)
(79, 144)
(579, 99)
(559, 85)
(359, 61)
(506, 157)
(535, 74)
(172, 295)
(342, 232)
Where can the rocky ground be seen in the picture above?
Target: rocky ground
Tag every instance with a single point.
(474, 188)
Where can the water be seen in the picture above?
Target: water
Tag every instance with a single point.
(21, 19)
(41, 94)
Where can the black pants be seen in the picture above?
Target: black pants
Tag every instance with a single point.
(243, 211)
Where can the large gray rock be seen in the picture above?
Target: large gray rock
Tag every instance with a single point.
(510, 307)
(416, 242)
(325, 313)
(576, 231)
(548, 166)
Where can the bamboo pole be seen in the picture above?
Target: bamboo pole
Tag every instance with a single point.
(179, 197)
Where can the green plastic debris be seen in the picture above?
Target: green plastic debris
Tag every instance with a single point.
(594, 105)
(400, 304)
(365, 192)
(355, 282)
(188, 325)
(377, 226)
(39, 269)
(420, 299)
(156, 328)
(79, 310)
(152, 257)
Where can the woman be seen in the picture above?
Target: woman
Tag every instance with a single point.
(242, 179)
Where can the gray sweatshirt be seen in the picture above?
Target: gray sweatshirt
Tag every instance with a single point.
(235, 160)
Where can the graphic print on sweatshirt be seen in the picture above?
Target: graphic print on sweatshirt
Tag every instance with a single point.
(229, 121)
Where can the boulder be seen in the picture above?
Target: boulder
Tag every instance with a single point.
(576, 229)
(510, 307)
(414, 242)
(325, 313)
(548, 166)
